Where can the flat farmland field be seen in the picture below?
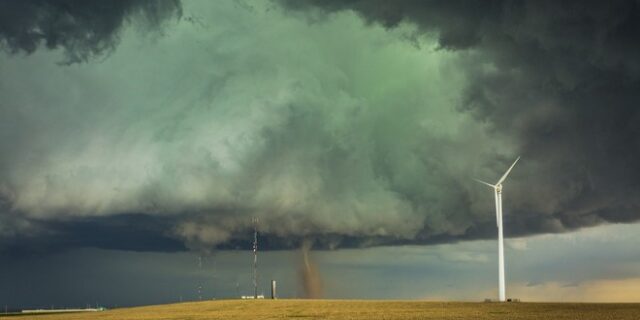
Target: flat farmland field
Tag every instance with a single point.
(355, 309)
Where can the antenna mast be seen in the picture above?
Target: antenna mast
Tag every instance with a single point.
(255, 258)
(200, 284)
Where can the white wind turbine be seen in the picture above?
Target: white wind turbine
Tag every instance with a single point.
(497, 188)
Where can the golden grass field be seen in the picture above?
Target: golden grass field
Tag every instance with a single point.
(356, 309)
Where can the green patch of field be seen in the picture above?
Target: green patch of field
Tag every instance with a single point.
(357, 309)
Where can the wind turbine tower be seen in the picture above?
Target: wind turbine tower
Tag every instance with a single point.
(497, 191)
(255, 258)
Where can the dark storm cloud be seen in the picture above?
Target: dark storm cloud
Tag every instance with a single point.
(330, 129)
(134, 232)
(83, 29)
(562, 78)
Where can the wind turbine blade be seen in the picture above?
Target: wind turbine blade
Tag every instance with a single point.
(507, 173)
(489, 184)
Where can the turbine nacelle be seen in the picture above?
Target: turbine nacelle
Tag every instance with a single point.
(496, 187)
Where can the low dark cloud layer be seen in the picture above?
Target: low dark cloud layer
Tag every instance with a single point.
(349, 129)
(133, 232)
(83, 29)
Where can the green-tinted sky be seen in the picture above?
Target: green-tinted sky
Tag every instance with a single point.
(164, 127)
